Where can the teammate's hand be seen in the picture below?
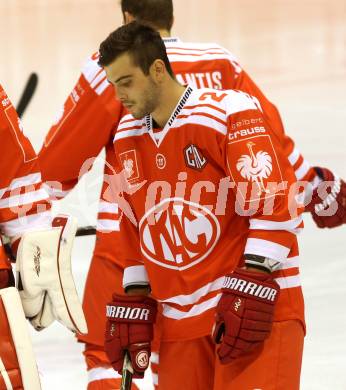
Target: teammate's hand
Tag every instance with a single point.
(129, 328)
(328, 203)
(245, 313)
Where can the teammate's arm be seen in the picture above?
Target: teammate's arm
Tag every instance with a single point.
(81, 131)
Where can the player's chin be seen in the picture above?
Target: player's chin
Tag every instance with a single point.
(137, 114)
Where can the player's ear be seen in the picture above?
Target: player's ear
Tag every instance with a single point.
(128, 18)
(158, 70)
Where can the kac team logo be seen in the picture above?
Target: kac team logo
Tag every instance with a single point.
(178, 234)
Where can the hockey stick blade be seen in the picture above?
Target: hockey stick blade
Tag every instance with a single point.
(27, 94)
(126, 378)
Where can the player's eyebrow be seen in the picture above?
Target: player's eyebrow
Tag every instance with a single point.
(121, 78)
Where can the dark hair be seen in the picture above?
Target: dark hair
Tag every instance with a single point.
(156, 13)
(143, 43)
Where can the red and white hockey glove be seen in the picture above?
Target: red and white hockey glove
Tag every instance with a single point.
(328, 203)
(129, 328)
(245, 313)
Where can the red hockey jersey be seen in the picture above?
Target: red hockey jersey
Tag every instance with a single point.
(212, 185)
(91, 114)
(24, 204)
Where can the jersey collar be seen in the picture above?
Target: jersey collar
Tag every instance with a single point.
(178, 108)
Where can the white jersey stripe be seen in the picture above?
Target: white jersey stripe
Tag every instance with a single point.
(294, 156)
(107, 207)
(155, 378)
(19, 226)
(288, 282)
(97, 79)
(32, 179)
(135, 275)
(99, 373)
(290, 262)
(200, 308)
(154, 358)
(4, 375)
(129, 133)
(200, 120)
(262, 224)
(24, 199)
(204, 57)
(257, 246)
(302, 170)
(102, 87)
(196, 295)
(204, 109)
(107, 225)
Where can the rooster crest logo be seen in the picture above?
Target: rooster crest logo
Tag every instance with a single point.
(128, 166)
(37, 260)
(255, 167)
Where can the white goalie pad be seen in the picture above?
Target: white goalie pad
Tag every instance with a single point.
(18, 367)
(46, 287)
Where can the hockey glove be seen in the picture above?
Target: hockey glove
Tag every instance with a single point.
(245, 313)
(328, 203)
(129, 328)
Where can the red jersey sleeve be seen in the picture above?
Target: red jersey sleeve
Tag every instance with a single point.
(83, 128)
(24, 204)
(263, 179)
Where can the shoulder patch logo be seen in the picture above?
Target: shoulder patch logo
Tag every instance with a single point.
(255, 167)
(194, 158)
(129, 162)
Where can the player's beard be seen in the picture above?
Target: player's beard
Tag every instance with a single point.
(148, 101)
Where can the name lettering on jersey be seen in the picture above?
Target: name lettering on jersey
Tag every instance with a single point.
(130, 164)
(178, 234)
(194, 158)
(128, 313)
(250, 288)
(201, 79)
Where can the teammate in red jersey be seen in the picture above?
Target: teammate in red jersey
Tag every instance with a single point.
(203, 263)
(92, 110)
(46, 291)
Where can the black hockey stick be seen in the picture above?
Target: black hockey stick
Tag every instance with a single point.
(126, 378)
(27, 94)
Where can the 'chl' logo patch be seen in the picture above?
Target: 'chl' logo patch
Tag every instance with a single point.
(194, 158)
(178, 234)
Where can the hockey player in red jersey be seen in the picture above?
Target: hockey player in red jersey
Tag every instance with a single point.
(203, 263)
(42, 245)
(92, 110)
